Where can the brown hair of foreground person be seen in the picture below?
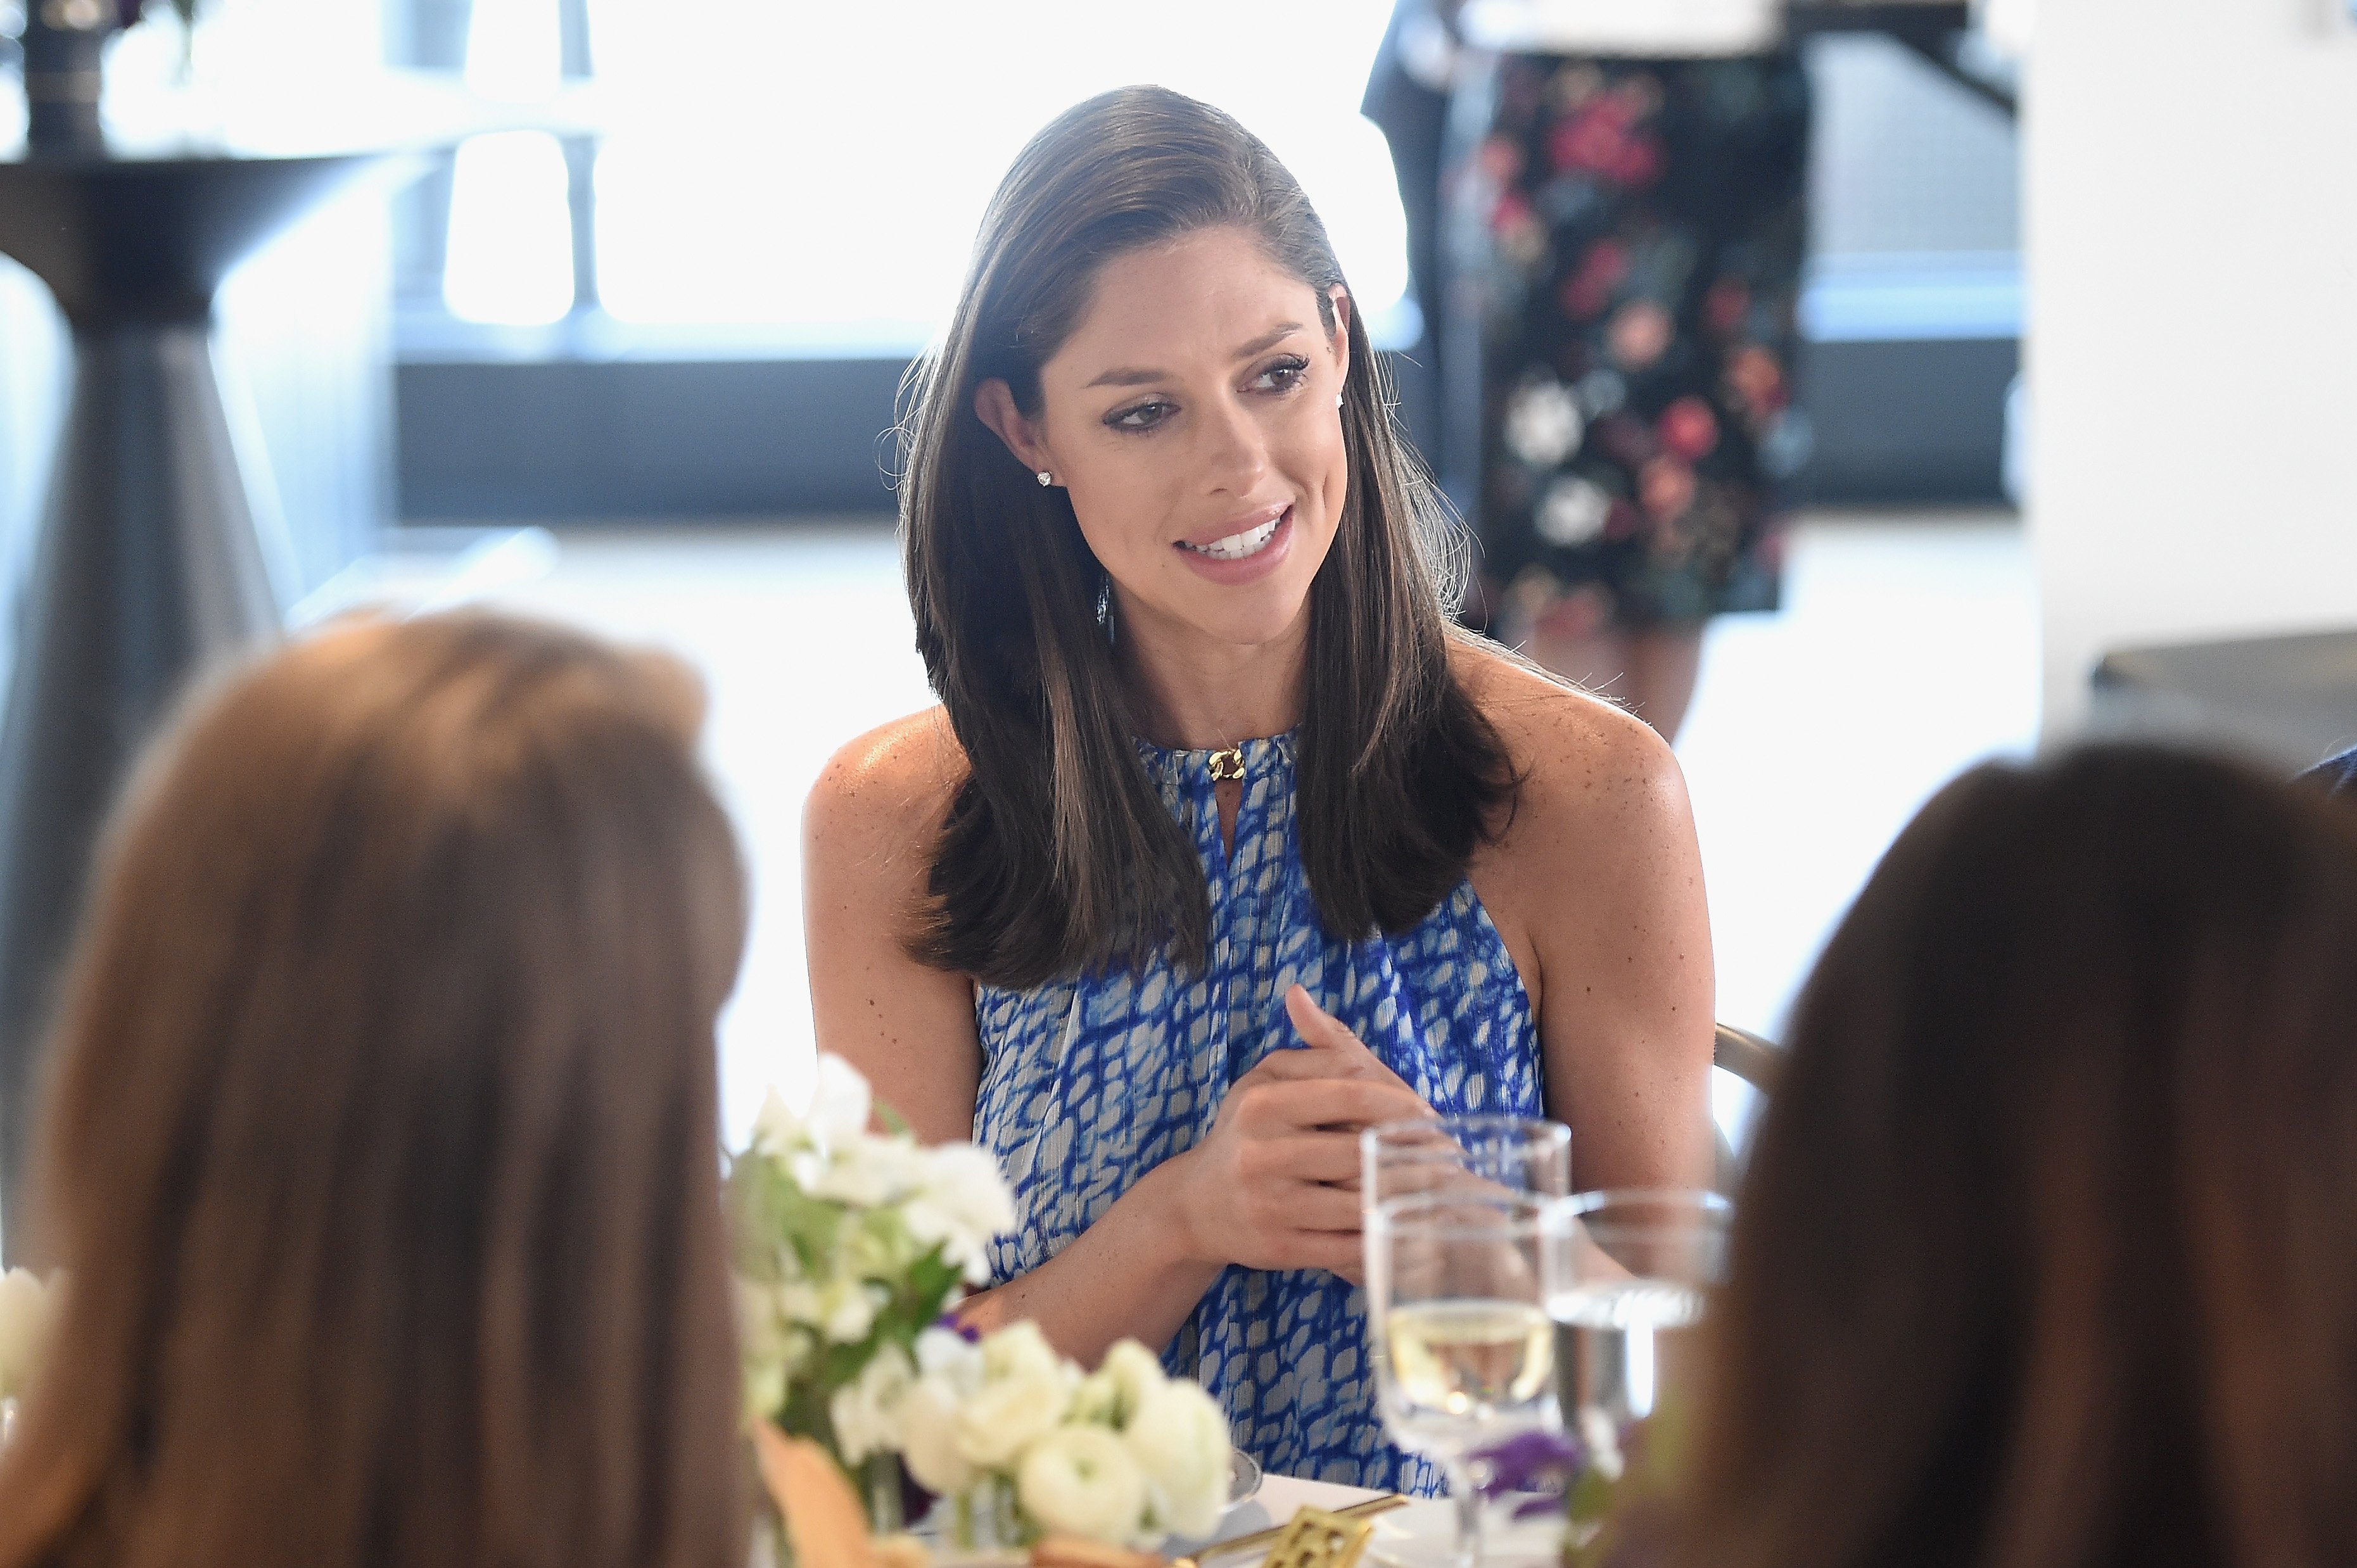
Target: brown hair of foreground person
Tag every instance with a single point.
(2047, 1257)
(383, 1145)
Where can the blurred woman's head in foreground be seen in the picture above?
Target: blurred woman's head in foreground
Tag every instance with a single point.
(2048, 1253)
(381, 1142)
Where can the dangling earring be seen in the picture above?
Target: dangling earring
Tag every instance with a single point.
(1104, 606)
(1044, 477)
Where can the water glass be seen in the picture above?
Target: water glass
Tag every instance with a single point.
(1509, 1153)
(1628, 1278)
(1464, 1350)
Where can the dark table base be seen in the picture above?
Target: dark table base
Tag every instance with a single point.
(148, 568)
(148, 572)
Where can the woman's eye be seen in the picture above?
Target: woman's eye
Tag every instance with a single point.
(1282, 376)
(1138, 416)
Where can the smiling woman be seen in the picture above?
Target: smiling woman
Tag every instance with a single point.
(1222, 846)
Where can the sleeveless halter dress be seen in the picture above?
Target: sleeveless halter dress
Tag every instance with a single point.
(1089, 1083)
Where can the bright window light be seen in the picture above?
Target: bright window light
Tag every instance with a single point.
(823, 168)
(515, 48)
(510, 259)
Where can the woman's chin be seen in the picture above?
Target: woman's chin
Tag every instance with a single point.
(1275, 618)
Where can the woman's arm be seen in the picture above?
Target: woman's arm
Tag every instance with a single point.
(1266, 1188)
(1600, 880)
(868, 834)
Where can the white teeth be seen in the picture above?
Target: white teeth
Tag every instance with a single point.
(1237, 546)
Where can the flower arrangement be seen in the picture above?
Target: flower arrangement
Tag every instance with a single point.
(851, 1245)
(848, 1244)
(1023, 1445)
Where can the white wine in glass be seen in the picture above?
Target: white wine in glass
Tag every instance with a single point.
(1464, 1349)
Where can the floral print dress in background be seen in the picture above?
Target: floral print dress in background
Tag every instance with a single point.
(1630, 236)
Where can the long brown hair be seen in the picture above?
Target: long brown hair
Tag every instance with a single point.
(383, 1145)
(2047, 1257)
(1058, 856)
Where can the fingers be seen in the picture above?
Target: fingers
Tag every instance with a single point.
(1277, 1106)
(1301, 1062)
(1330, 1158)
(1321, 1210)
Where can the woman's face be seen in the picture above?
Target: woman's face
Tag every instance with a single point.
(1192, 416)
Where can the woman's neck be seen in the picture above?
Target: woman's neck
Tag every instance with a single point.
(1196, 693)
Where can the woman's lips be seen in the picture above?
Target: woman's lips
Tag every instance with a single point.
(1244, 555)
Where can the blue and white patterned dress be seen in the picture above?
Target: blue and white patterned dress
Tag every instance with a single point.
(1088, 1084)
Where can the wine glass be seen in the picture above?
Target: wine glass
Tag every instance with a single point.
(1512, 1153)
(1463, 1348)
(1628, 1277)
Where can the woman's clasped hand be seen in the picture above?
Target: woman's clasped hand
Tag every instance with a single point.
(1275, 1185)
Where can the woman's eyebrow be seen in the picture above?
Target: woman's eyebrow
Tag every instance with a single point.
(1131, 376)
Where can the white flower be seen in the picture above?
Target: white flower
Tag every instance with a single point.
(840, 1104)
(865, 1411)
(776, 1129)
(963, 1202)
(1026, 1389)
(25, 1311)
(862, 1171)
(1019, 1350)
(839, 1107)
(1081, 1481)
(1115, 1392)
(847, 1309)
(929, 1440)
(1179, 1439)
(1007, 1415)
(950, 1357)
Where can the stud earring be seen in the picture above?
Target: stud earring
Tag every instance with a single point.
(1044, 477)
(1337, 400)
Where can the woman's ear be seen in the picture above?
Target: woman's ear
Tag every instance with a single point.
(1341, 298)
(994, 404)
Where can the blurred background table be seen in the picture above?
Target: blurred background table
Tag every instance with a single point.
(153, 560)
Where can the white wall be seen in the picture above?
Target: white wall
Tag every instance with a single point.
(2192, 245)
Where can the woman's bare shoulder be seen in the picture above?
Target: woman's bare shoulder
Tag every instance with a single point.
(885, 791)
(1578, 753)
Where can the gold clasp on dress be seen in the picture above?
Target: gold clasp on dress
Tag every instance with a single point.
(1227, 765)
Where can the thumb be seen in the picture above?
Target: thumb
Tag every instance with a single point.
(1318, 1027)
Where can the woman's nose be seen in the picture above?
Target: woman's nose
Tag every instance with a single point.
(1235, 449)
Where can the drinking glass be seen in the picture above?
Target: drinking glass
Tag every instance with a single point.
(1463, 1349)
(1628, 1277)
(1511, 1154)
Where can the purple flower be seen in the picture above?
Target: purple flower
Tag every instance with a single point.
(951, 1321)
(1545, 1462)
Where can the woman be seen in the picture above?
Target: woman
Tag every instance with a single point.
(382, 1146)
(1629, 227)
(2044, 1256)
(1210, 769)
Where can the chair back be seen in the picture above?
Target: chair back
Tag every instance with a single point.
(1757, 1061)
